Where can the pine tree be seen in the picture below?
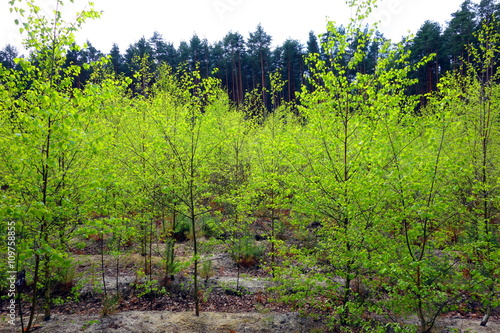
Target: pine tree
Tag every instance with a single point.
(259, 48)
(163, 52)
(194, 51)
(293, 67)
(139, 65)
(312, 43)
(459, 33)
(116, 60)
(487, 10)
(427, 41)
(183, 51)
(7, 56)
(234, 49)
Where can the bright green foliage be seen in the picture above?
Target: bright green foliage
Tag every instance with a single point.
(342, 167)
(269, 185)
(48, 141)
(476, 96)
(420, 184)
(188, 116)
(334, 179)
(230, 184)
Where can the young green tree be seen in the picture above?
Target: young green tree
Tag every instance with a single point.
(475, 97)
(331, 169)
(185, 115)
(48, 140)
(339, 172)
(230, 183)
(418, 264)
(268, 179)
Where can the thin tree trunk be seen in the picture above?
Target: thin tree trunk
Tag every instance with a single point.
(195, 254)
(103, 272)
(486, 317)
(240, 81)
(118, 266)
(47, 295)
(193, 226)
(264, 99)
(35, 292)
(43, 228)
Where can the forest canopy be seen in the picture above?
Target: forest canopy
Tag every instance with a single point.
(245, 63)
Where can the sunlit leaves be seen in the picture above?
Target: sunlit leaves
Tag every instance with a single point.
(50, 136)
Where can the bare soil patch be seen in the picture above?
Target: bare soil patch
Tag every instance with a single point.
(225, 308)
(179, 322)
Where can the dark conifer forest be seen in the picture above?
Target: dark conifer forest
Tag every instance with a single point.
(353, 181)
(244, 64)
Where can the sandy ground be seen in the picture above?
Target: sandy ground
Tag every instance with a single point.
(212, 322)
(176, 322)
(253, 319)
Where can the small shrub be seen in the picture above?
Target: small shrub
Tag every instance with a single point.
(246, 252)
(206, 270)
(182, 231)
(110, 305)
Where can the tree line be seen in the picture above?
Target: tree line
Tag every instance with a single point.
(246, 64)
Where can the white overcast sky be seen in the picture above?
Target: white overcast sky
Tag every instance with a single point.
(124, 22)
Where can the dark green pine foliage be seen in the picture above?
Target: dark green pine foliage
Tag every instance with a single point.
(140, 66)
(140, 50)
(234, 50)
(370, 50)
(206, 67)
(459, 33)
(259, 50)
(245, 65)
(116, 60)
(194, 52)
(487, 10)
(184, 53)
(277, 64)
(427, 41)
(163, 52)
(79, 57)
(7, 56)
(362, 40)
(312, 48)
(292, 67)
(91, 53)
(488, 13)
(219, 61)
(199, 56)
(312, 43)
(370, 60)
